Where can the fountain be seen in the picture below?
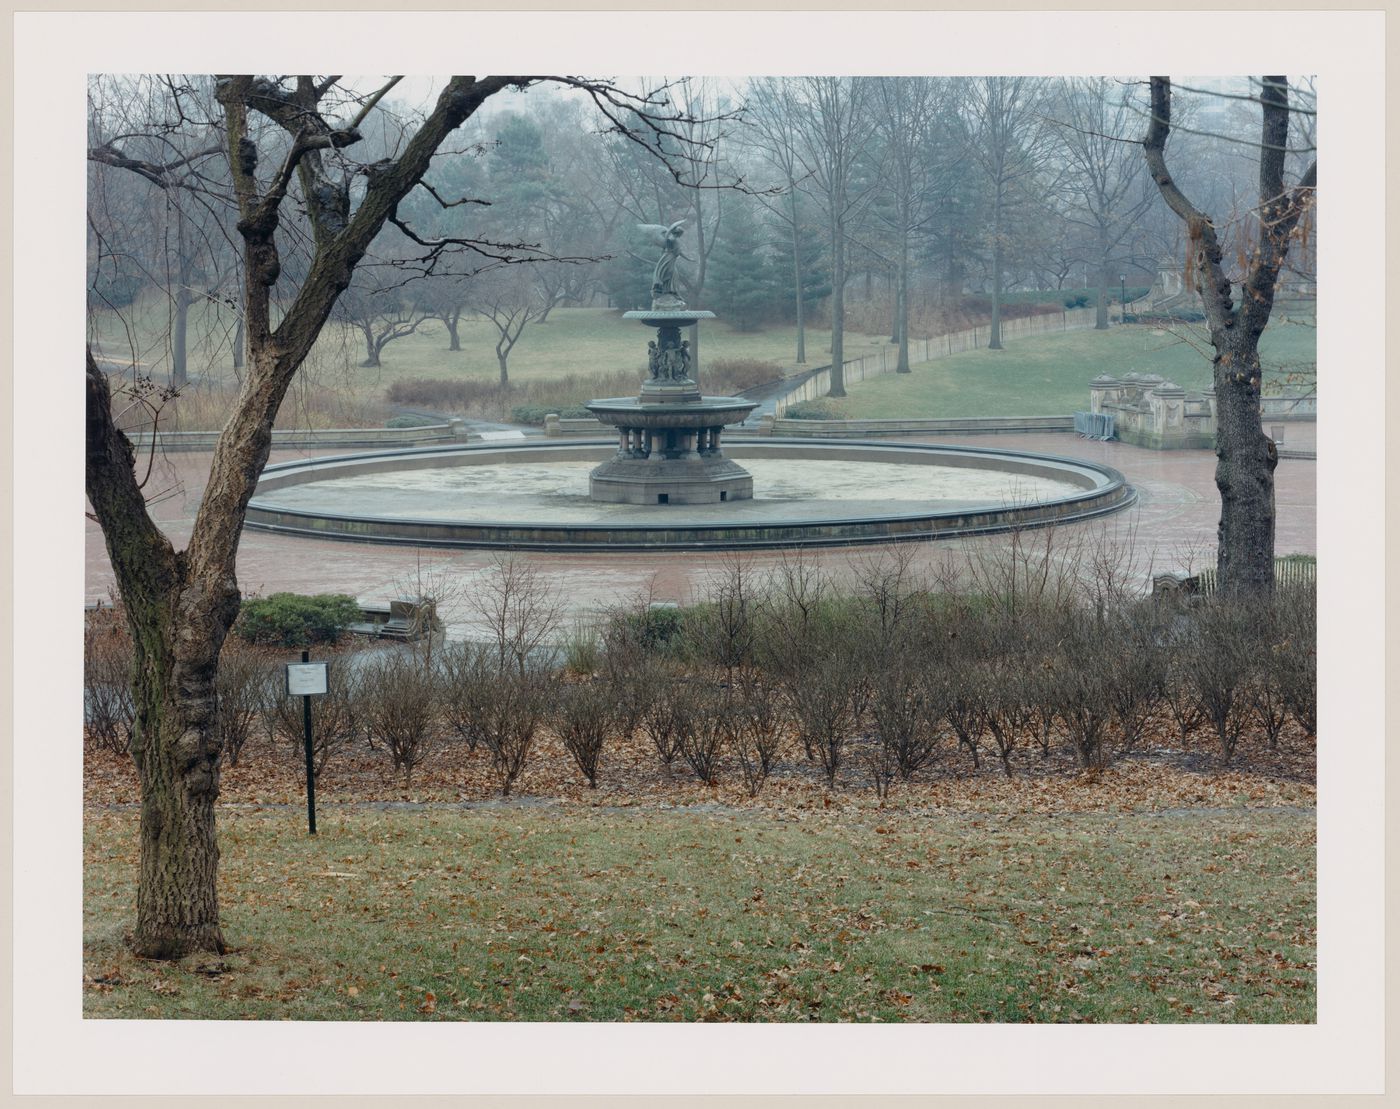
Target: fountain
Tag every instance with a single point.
(601, 496)
(669, 435)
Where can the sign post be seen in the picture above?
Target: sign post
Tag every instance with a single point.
(307, 679)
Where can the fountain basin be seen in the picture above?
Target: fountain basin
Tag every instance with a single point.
(812, 493)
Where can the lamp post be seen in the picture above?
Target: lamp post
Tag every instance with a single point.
(1123, 294)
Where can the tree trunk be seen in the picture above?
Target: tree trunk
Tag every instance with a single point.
(797, 285)
(452, 320)
(176, 750)
(238, 343)
(177, 626)
(501, 361)
(901, 312)
(179, 372)
(994, 332)
(838, 310)
(371, 361)
(1101, 309)
(1244, 471)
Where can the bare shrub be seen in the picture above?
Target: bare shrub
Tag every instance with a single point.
(906, 712)
(1178, 689)
(959, 683)
(336, 721)
(109, 709)
(824, 701)
(1026, 569)
(465, 673)
(1136, 670)
(789, 621)
(1112, 567)
(878, 758)
(1081, 690)
(892, 596)
(722, 631)
(1293, 663)
(734, 375)
(518, 703)
(755, 732)
(1217, 664)
(244, 690)
(585, 716)
(664, 708)
(399, 702)
(520, 609)
(701, 715)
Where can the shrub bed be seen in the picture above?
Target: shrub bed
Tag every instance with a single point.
(295, 619)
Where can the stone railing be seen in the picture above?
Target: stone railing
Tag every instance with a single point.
(1149, 411)
(555, 426)
(304, 438)
(867, 429)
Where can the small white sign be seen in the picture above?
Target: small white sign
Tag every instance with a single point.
(305, 678)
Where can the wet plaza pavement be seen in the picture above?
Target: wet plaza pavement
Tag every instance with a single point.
(1172, 526)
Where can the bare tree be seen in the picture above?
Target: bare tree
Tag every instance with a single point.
(381, 316)
(831, 117)
(511, 299)
(1007, 140)
(770, 121)
(1246, 457)
(181, 604)
(908, 107)
(1104, 188)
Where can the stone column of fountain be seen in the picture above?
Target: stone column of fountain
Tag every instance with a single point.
(669, 435)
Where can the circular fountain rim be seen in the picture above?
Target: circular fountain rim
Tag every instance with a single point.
(1109, 493)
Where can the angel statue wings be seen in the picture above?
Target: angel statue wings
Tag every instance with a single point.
(663, 278)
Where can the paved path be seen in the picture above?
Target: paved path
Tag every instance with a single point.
(1172, 526)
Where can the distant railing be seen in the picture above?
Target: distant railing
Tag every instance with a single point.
(937, 346)
(1289, 573)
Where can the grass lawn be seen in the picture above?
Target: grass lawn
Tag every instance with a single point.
(567, 913)
(571, 341)
(1049, 375)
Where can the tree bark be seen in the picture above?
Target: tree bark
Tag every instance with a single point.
(451, 319)
(1244, 471)
(1245, 457)
(177, 623)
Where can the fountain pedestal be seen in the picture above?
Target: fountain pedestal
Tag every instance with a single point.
(669, 448)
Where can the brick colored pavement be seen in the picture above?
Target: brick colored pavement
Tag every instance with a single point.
(1173, 524)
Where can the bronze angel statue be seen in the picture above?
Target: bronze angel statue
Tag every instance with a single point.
(663, 279)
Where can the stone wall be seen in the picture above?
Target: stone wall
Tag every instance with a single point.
(1149, 411)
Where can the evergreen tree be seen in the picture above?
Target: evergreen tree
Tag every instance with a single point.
(745, 288)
